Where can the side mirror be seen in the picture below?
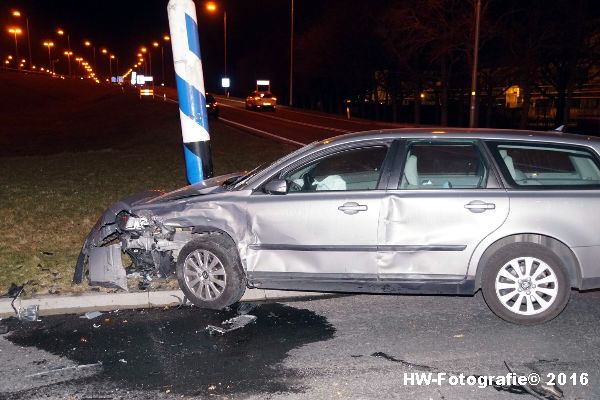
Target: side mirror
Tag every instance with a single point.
(276, 186)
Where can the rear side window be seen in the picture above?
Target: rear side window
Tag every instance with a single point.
(547, 166)
(431, 165)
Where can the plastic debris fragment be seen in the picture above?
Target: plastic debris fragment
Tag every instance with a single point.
(29, 313)
(91, 315)
(541, 390)
(231, 324)
(246, 308)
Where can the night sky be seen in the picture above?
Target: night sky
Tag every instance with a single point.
(258, 34)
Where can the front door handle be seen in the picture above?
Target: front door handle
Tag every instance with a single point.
(352, 208)
(478, 206)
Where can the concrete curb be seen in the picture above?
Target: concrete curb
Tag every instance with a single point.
(53, 305)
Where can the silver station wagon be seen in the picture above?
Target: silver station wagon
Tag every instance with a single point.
(513, 213)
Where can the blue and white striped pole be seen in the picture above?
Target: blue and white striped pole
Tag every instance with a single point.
(190, 89)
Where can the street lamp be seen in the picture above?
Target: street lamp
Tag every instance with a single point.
(473, 105)
(87, 43)
(211, 7)
(17, 14)
(166, 38)
(291, 53)
(79, 60)
(105, 52)
(69, 54)
(113, 57)
(61, 32)
(15, 32)
(50, 45)
(145, 50)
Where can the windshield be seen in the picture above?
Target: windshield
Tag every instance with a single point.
(259, 171)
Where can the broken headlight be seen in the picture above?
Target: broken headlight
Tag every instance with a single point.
(128, 222)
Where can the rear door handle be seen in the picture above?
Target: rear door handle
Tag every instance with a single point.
(352, 208)
(478, 206)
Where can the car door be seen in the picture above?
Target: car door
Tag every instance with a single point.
(326, 225)
(446, 201)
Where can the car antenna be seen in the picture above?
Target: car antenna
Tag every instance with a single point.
(560, 129)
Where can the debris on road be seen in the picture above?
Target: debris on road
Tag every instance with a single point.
(61, 370)
(23, 314)
(91, 314)
(29, 314)
(541, 391)
(231, 324)
(122, 360)
(246, 308)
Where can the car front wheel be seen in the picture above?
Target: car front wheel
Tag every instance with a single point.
(210, 273)
(525, 283)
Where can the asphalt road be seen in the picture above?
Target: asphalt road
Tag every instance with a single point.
(287, 123)
(343, 347)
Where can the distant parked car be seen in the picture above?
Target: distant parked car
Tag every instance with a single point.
(513, 213)
(261, 100)
(212, 107)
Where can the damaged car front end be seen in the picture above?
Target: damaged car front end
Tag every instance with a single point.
(151, 228)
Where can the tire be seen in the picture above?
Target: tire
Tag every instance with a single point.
(538, 269)
(216, 287)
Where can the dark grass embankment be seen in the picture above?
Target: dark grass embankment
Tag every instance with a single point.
(68, 149)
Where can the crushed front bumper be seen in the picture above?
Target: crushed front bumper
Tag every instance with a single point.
(101, 257)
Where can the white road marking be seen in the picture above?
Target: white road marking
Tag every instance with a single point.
(272, 135)
(261, 132)
(297, 122)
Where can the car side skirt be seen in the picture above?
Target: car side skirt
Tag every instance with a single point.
(363, 283)
(590, 283)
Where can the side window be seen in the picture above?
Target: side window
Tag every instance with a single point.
(547, 166)
(443, 166)
(356, 169)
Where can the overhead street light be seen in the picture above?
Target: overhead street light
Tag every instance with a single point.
(212, 7)
(61, 32)
(15, 32)
(50, 45)
(87, 43)
(17, 14)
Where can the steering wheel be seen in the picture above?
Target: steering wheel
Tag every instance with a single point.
(293, 186)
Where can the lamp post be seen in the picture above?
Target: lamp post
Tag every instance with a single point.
(144, 51)
(79, 60)
(291, 53)
(50, 45)
(156, 45)
(69, 54)
(211, 7)
(17, 14)
(473, 105)
(61, 32)
(141, 61)
(113, 57)
(105, 51)
(87, 43)
(15, 32)
(166, 38)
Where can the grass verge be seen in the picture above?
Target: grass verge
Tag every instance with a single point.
(48, 203)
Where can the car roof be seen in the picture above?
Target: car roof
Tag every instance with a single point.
(466, 133)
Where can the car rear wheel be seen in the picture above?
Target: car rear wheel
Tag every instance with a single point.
(210, 273)
(525, 283)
